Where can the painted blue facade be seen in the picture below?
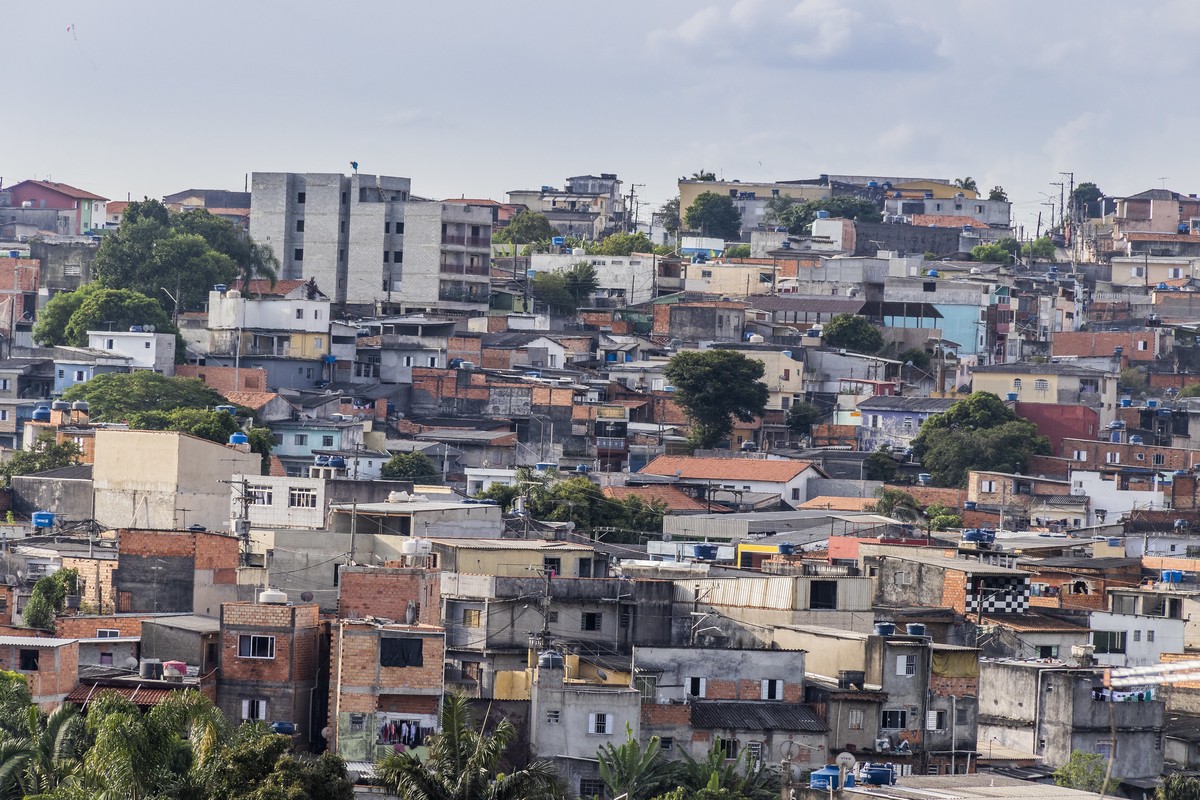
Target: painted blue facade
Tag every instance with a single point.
(895, 421)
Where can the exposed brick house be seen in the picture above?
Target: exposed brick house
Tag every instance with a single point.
(386, 592)
(50, 666)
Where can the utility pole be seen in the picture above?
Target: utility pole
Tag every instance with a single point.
(1070, 176)
(1061, 215)
(629, 212)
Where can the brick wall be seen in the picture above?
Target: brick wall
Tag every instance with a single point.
(954, 591)
(295, 631)
(661, 714)
(958, 687)
(7, 605)
(378, 592)
(222, 379)
(85, 626)
(408, 704)
(1097, 453)
(96, 581)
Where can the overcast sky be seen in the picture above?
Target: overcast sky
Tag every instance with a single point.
(473, 98)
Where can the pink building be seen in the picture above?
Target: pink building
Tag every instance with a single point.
(84, 210)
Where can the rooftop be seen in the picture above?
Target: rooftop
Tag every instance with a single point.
(744, 469)
(1053, 368)
(63, 188)
(755, 715)
(935, 405)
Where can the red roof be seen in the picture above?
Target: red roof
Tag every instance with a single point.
(138, 694)
(732, 469)
(263, 286)
(253, 400)
(671, 497)
(62, 188)
(946, 221)
(832, 503)
(116, 207)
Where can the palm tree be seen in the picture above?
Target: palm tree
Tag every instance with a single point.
(15, 754)
(897, 504)
(967, 184)
(259, 262)
(715, 774)
(637, 773)
(462, 764)
(57, 745)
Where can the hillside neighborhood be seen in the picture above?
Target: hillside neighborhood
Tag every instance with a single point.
(835, 483)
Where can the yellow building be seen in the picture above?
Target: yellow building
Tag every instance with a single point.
(1056, 384)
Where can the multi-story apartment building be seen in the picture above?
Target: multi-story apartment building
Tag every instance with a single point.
(370, 244)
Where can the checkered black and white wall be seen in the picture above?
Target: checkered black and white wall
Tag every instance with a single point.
(999, 595)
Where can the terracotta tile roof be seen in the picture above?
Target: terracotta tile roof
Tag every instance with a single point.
(734, 469)
(839, 503)
(253, 400)
(69, 191)
(1159, 237)
(674, 499)
(139, 695)
(230, 212)
(946, 221)
(278, 470)
(116, 207)
(1035, 622)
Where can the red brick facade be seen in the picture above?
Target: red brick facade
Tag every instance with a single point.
(384, 593)
(226, 379)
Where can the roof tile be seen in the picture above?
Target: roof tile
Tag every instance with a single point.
(746, 469)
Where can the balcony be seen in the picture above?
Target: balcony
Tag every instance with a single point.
(480, 270)
(463, 295)
(612, 443)
(467, 241)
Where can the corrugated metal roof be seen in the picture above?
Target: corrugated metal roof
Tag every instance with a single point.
(139, 695)
(33, 641)
(755, 715)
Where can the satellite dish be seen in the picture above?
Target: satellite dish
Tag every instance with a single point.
(10, 579)
(846, 760)
(306, 596)
(20, 575)
(603, 675)
(130, 663)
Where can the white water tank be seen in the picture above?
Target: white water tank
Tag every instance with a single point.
(272, 597)
(424, 547)
(409, 547)
(398, 497)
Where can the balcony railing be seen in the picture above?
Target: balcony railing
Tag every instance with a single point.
(611, 443)
(462, 295)
(467, 241)
(464, 269)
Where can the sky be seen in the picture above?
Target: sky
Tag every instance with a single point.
(145, 98)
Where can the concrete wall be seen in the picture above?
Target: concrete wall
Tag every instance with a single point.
(1146, 637)
(168, 643)
(65, 266)
(71, 499)
(275, 210)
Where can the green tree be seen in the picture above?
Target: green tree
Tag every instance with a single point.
(967, 184)
(1191, 390)
(463, 763)
(1039, 249)
(852, 332)
(526, 227)
(897, 504)
(550, 288)
(68, 317)
(715, 777)
(1084, 199)
(622, 244)
(668, 214)
(38, 613)
(414, 466)
(1086, 772)
(636, 772)
(703, 175)
(1132, 380)
(1178, 787)
(46, 454)
(56, 746)
(737, 251)
(713, 387)
(781, 211)
(51, 326)
(998, 194)
(798, 217)
(113, 396)
(976, 433)
(580, 282)
(941, 518)
(146, 208)
(715, 215)
(991, 253)
(880, 465)
(919, 358)
(215, 426)
(802, 416)
(504, 494)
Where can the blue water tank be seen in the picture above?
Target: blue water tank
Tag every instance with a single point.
(226, 409)
(321, 461)
(1126, 402)
(135, 329)
(706, 552)
(933, 273)
(826, 779)
(286, 728)
(1172, 576)
(822, 215)
(1151, 403)
(1162, 286)
(337, 461)
(237, 437)
(914, 629)
(879, 775)
(583, 468)
(1114, 542)
(220, 287)
(1115, 436)
(872, 184)
(969, 505)
(787, 549)
(884, 628)
(43, 519)
(41, 414)
(1012, 397)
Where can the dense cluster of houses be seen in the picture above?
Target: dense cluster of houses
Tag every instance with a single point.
(778, 608)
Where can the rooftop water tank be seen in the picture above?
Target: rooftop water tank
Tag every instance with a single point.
(227, 409)
(914, 629)
(79, 405)
(43, 519)
(220, 287)
(1135, 439)
(60, 405)
(822, 215)
(41, 414)
(150, 669)
(408, 547)
(237, 437)
(551, 659)
(285, 728)
(884, 628)
(924, 478)
(933, 273)
(272, 597)
(1126, 402)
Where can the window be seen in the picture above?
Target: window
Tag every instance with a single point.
(962, 714)
(471, 617)
(326, 441)
(1158, 459)
(1112, 458)
(400, 652)
(254, 710)
(145, 345)
(552, 616)
(796, 493)
(591, 621)
(299, 197)
(1041, 385)
(647, 686)
(433, 361)
(1104, 747)
(729, 748)
(591, 787)
(1139, 456)
(772, 689)
(299, 226)
(987, 487)
(1137, 272)
(934, 769)
(298, 255)
(397, 256)
(260, 495)
(939, 720)
(856, 718)
(300, 439)
(4, 384)
(906, 665)
(80, 375)
(28, 660)
(299, 313)
(553, 716)
(1143, 345)
(386, 257)
(399, 228)
(822, 595)
(666, 743)
(252, 646)
(62, 373)
(908, 422)
(316, 313)
(106, 659)
(697, 686)
(600, 723)
(1017, 384)
(108, 344)
(1150, 635)
(107, 633)
(299, 497)
(3, 415)
(318, 343)
(1137, 636)
(552, 565)
(894, 719)
(1109, 641)
(387, 227)
(625, 618)
(1047, 651)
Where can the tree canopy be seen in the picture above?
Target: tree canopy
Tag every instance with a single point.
(1039, 249)
(1086, 198)
(185, 254)
(852, 332)
(802, 416)
(991, 253)
(68, 316)
(703, 175)
(976, 433)
(668, 214)
(1086, 771)
(737, 251)
(114, 396)
(798, 217)
(47, 454)
(714, 215)
(526, 227)
(715, 386)
(967, 184)
(415, 466)
(576, 499)
(998, 194)
(622, 244)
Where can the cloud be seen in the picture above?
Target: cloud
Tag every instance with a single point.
(809, 33)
